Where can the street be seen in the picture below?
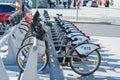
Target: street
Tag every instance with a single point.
(86, 14)
(104, 30)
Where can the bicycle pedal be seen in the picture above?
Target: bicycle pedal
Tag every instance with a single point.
(64, 64)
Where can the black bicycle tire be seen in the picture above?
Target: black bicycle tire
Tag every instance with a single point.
(86, 74)
(18, 58)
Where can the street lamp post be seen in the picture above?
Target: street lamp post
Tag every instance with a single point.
(36, 4)
(77, 5)
(77, 14)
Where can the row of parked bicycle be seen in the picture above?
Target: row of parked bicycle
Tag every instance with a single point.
(37, 29)
(73, 47)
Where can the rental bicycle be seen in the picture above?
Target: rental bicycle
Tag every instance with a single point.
(24, 51)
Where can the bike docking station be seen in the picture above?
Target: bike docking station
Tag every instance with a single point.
(41, 50)
(9, 39)
(12, 38)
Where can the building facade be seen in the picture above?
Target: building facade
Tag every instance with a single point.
(116, 3)
(42, 3)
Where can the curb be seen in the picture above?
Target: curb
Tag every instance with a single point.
(117, 24)
(92, 22)
(88, 22)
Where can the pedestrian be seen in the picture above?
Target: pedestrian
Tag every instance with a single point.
(26, 11)
(74, 3)
(60, 2)
(17, 5)
(64, 3)
(69, 3)
(107, 3)
(50, 3)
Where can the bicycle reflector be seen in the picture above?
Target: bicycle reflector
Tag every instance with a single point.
(21, 62)
(94, 62)
(98, 45)
(80, 30)
(84, 34)
(88, 37)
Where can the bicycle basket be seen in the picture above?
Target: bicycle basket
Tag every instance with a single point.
(38, 29)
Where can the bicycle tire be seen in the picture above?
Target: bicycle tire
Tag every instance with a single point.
(28, 33)
(23, 29)
(22, 62)
(27, 40)
(82, 62)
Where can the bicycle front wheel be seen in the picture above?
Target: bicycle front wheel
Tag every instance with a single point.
(27, 40)
(23, 55)
(85, 65)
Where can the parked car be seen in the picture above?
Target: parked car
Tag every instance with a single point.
(5, 10)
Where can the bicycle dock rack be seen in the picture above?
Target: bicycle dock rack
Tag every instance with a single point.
(13, 45)
(3, 73)
(10, 36)
(55, 69)
(31, 66)
(4, 38)
(30, 72)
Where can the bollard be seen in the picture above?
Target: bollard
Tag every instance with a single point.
(10, 57)
(14, 44)
(30, 72)
(56, 72)
(12, 49)
(12, 52)
(3, 74)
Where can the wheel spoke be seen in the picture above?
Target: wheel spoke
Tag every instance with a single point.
(86, 65)
(23, 54)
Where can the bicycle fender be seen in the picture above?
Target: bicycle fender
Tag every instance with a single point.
(79, 38)
(73, 34)
(86, 48)
(67, 25)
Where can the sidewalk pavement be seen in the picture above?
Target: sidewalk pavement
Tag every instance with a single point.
(87, 14)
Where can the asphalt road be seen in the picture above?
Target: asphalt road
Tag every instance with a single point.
(100, 29)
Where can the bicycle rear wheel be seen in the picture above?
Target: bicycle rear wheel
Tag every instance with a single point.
(85, 65)
(23, 54)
